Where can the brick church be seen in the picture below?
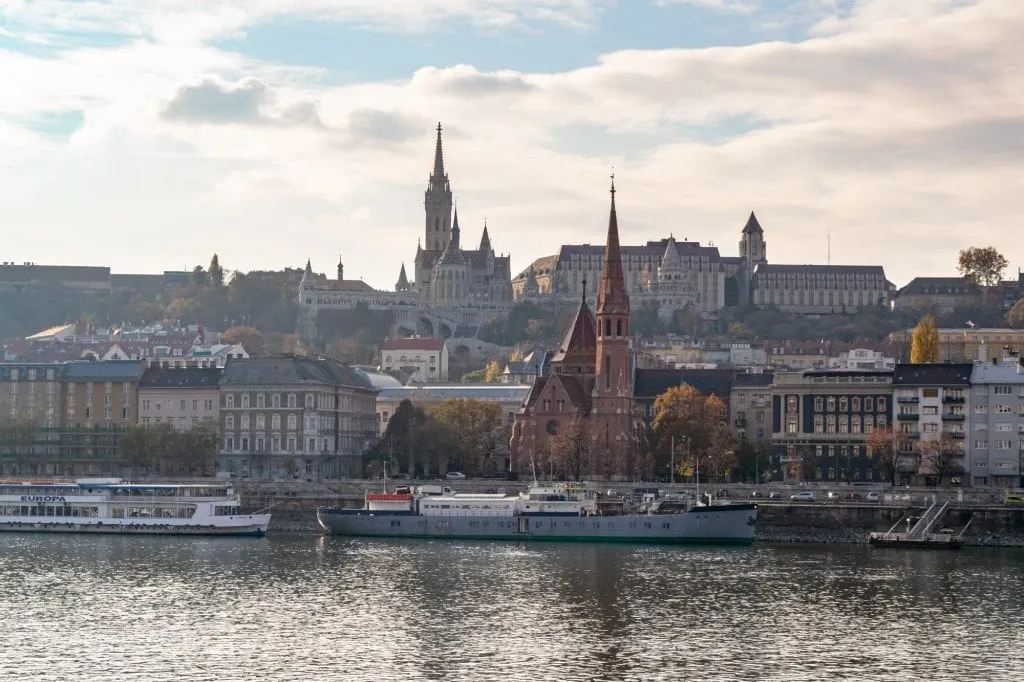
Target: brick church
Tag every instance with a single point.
(590, 386)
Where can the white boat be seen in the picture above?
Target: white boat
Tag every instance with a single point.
(113, 506)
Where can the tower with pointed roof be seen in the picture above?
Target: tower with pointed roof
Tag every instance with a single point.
(753, 249)
(437, 202)
(450, 278)
(402, 285)
(612, 395)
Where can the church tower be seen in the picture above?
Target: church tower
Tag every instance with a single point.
(753, 249)
(437, 203)
(612, 397)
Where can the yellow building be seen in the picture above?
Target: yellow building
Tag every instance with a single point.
(966, 344)
(182, 397)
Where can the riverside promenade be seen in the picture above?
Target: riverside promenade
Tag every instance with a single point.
(825, 521)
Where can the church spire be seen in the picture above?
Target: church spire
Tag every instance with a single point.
(438, 177)
(485, 240)
(611, 292)
(403, 280)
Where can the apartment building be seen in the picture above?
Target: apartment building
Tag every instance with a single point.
(995, 444)
(182, 397)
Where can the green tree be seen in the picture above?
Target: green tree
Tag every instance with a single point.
(982, 265)
(478, 429)
(215, 272)
(925, 342)
(197, 448)
(146, 447)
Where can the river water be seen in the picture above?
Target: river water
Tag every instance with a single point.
(322, 608)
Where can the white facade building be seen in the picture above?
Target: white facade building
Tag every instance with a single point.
(424, 360)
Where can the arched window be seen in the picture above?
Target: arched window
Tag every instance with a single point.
(229, 401)
(275, 421)
(229, 421)
(309, 400)
(607, 371)
(260, 400)
(291, 422)
(245, 400)
(291, 400)
(276, 400)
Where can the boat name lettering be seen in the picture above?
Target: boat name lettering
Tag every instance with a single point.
(42, 498)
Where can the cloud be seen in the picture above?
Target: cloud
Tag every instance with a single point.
(896, 127)
(248, 101)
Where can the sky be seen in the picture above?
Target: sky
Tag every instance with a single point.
(148, 134)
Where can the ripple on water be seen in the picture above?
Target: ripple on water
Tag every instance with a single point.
(290, 608)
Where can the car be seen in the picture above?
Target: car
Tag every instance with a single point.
(756, 493)
(872, 497)
(805, 496)
(773, 495)
(456, 476)
(834, 497)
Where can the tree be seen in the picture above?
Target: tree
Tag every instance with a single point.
(215, 273)
(883, 452)
(943, 457)
(147, 446)
(348, 351)
(492, 373)
(478, 428)
(982, 265)
(250, 337)
(697, 421)
(1015, 318)
(197, 448)
(925, 344)
(571, 448)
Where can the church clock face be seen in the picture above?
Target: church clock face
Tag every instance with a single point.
(552, 427)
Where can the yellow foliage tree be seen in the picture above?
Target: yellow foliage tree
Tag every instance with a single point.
(925, 344)
(697, 424)
(492, 372)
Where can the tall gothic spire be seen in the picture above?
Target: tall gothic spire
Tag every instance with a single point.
(485, 240)
(438, 178)
(611, 292)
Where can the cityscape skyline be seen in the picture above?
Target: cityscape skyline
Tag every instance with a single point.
(269, 135)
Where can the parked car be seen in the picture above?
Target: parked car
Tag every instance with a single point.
(456, 476)
(833, 497)
(805, 496)
(773, 495)
(756, 493)
(872, 497)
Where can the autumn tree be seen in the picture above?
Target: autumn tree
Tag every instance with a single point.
(492, 372)
(943, 457)
(571, 448)
(398, 444)
(478, 428)
(925, 342)
(883, 452)
(686, 415)
(982, 265)
(250, 337)
(1015, 317)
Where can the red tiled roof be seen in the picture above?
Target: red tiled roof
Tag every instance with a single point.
(412, 344)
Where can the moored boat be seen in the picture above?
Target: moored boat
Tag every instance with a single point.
(557, 512)
(114, 506)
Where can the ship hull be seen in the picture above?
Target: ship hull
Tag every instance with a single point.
(255, 528)
(727, 524)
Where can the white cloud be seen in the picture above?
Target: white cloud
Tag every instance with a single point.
(894, 140)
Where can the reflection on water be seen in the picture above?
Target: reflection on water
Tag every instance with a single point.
(317, 608)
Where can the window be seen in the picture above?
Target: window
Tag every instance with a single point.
(930, 392)
(819, 404)
(275, 400)
(276, 444)
(229, 421)
(843, 404)
(195, 405)
(259, 445)
(145, 405)
(275, 421)
(869, 405)
(229, 443)
(291, 400)
(159, 406)
(245, 421)
(844, 425)
(930, 427)
(309, 401)
(260, 401)
(830, 424)
(291, 422)
(261, 422)
(856, 404)
(208, 404)
(245, 400)
(855, 423)
(1004, 428)
(245, 444)
(819, 424)
(1002, 390)
(229, 400)
(980, 409)
(1003, 409)
(791, 427)
(1003, 444)
(312, 445)
(831, 403)
(291, 444)
(880, 420)
(881, 404)
(929, 409)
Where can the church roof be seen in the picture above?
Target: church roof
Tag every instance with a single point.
(752, 226)
(485, 240)
(403, 279)
(453, 252)
(580, 341)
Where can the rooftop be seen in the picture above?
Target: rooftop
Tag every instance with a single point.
(188, 377)
(932, 374)
(110, 370)
(439, 392)
(291, 370)
(1009, 371)
(412, 344)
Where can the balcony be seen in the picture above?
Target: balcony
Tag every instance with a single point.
(740, 423)
(955, 435)
(954, 399)
(953, 417)
(907, 399)
(908, 416)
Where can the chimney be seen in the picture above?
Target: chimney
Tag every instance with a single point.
(982, 352)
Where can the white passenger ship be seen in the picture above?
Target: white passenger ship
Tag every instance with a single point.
(555, 512)
(111, 505)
